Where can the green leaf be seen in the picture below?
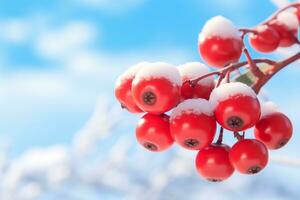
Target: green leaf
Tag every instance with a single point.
(248, 78)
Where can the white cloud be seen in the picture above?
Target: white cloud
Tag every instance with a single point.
(15, 30)
(64, 40)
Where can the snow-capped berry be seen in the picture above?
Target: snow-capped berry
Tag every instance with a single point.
(274, 129)
(192, 124)
(265, 40)
(236, 106)
(249, 156)
(123, 88)
(203, 88)
(156, 87)
(267, 108)
(220, 42)
(213, 163)
(153, 132)
(286, 24)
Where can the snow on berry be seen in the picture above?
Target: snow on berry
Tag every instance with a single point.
(268, 108)
(160, 70)
(192, 106)
(193, 70)
(289, 19)
(219, 26)
(227, 90)
(130, 73)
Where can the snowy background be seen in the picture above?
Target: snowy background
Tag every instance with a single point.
(62, 134)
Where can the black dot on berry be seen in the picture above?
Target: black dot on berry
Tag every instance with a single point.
(214, 180)
(254, 170)
(191, 143)
(235, 122)
(149, 98)
(150, 146)
(282, 143)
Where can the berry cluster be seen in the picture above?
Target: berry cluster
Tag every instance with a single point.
(185, 104)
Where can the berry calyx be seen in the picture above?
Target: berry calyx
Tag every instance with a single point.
(156, 87)
(220, 42)
(213, 163)
(153, 132)
(123, 88)
(236, 106)
(249, 156)
(203, 87)
(266, 39)
(274, 130)
(192, 124)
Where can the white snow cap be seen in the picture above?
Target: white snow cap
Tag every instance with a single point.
(195, 106)
(130, 72)
(228, 90)
(289, 19)
(193, 70)
(160, 70)
(268, 108)
(261, 28)
(219, 26)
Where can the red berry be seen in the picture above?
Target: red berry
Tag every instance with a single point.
(286, 24)
(203, 88)
(297, 12)
(274, 130)
(153, 132)
(249, 156)
(213, 163)
(220, 42)
(265, 40)
(192, 124)
(123, 89)
(236, 106)
(156, 87)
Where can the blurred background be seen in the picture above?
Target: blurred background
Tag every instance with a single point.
(62, 133)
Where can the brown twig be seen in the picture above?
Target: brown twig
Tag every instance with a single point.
(262, 80)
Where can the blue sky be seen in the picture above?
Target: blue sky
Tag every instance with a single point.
(57, 57)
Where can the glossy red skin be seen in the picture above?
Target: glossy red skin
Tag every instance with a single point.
(192, 126)
(167, 94)
(198, 91)
(124, 96)
(287, 37)
(266, 40)
(219, 52)
(245, 107)
(297, 12)
(154, 129)
(248, 153)
(213, 162)
(274, 130)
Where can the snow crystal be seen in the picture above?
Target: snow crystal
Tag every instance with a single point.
(268, 108)
(219, 26)
(130, 73)
(195, 106)
(227, 90)
(193, 70)
(160, 70)
(289, 19)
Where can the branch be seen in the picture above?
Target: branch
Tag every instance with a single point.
(222, 72)
(276, 67)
